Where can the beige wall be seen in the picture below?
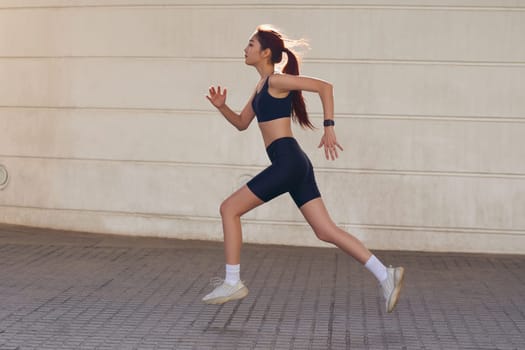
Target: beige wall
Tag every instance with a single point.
(104, 126)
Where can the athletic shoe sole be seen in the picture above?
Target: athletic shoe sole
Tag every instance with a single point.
(241, 293)
(400, 276)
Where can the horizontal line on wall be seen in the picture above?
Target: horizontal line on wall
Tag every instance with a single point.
(428, 117)
(206, 112)
(257, 168)
(376, 61)
(472, 230)
(276, 6)
(416, 62)
(442, 229)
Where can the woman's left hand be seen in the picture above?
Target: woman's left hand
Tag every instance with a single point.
(330, 143)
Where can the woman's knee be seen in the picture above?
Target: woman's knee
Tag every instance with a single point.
(224, 208)
(326, 234)
(227, 208)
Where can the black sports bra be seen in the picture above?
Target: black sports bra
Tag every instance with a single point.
(267, 107)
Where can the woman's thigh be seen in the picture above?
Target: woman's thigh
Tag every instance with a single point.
(316, 215)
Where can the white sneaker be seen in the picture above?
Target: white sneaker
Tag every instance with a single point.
(225, 292)
(392, 286)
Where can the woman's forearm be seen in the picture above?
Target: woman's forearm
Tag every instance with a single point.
(231, 116)
(327, 99)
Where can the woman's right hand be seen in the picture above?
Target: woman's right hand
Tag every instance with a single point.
(216, 97)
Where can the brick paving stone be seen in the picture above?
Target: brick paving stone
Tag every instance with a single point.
(66, 290)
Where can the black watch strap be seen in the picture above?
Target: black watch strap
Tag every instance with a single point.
(328, 122)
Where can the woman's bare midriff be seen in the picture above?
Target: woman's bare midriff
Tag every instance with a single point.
(275, 129)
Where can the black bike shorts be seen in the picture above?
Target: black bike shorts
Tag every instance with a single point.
(291, 171)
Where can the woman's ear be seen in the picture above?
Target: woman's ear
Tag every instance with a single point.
(266, 53)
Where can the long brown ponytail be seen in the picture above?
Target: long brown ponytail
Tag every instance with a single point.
(273, 40)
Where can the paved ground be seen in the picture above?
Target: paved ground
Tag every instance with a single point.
(62, 290)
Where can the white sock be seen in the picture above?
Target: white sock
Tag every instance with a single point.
(232, 274)
(377, 268)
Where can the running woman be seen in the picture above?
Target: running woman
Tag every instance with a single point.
(277, 100)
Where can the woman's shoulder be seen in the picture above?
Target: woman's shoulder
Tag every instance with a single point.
(278, 77)
(285, 82)
(297, 82)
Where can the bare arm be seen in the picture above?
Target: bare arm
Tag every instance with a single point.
(285, 82)
(240, 121)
